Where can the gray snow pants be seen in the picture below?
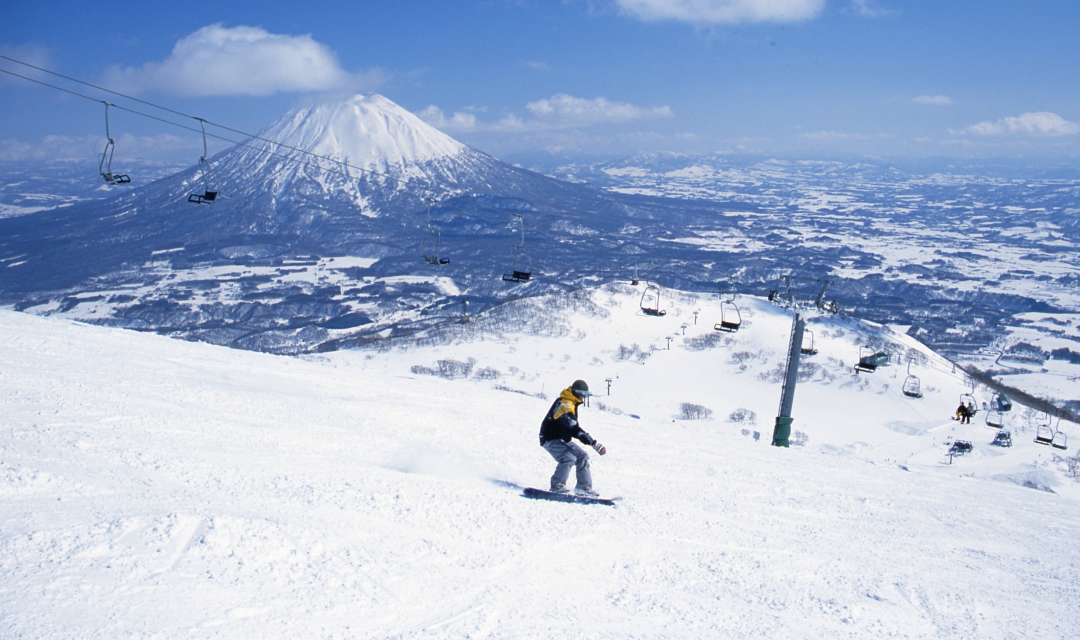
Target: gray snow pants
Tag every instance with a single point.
(568, 454)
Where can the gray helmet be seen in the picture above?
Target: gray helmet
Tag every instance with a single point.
(580, 389)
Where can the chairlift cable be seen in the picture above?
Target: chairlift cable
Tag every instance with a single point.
(242, 143)
(212, 123)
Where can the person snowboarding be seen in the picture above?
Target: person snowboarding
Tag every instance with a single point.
(560, 425)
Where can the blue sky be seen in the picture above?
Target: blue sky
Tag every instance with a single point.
(789, 77)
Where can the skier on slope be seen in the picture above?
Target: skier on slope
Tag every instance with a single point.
(559, 426)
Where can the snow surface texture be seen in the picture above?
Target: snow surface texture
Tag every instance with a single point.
(152, 487)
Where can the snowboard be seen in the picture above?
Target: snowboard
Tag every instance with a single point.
(540, 494)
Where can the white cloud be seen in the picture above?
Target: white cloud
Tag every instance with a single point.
(560, 111)
(705, 12)
(30, 53)
(1036, 123)
(217, 60)
(458, 121)
(870, 9)
(571, 110)
(538, 65)
(933, 101)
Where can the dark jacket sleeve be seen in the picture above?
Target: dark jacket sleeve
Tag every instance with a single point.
(568, 425)
(584, 437)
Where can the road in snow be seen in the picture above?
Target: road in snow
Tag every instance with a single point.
(152, 487)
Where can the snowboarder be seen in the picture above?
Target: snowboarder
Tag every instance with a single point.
(559, 426)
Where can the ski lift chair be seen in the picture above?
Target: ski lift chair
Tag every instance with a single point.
(1060, 440)
(209, 195)
(206, 197)
(517, 276)
(1002, 439)
(995, 419)
(968, 401)
(870, 360)
(655, 309)
(808, 349)
(1000, 402)
(433, 258)
(730, 317)
(1044, 434)
(105, 164)
(961, 447)
(912, 386)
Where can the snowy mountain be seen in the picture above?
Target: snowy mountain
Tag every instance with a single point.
(305, 257)
(275, 214)
(154, 487)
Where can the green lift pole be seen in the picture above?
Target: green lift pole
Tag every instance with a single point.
(782, 430)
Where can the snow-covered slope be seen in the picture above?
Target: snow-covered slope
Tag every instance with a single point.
(158, 487)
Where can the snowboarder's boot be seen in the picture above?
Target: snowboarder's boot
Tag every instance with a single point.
(586, 493)
(559, 488)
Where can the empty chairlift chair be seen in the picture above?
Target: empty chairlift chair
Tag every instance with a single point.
(870, 360)
(519, 275)
(730, 317)
(209, 194)
(105, 164)
(1044, 433)
(1060, 440)
(912, 386)
(650, 302)
(808, 348)
(434, 258)
(1000, 402)
(995, 419)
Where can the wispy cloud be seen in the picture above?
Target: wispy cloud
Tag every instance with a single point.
(457, 121)
(1035, 123)
(538, 65)
(843, 136)
(88, 147)
(571, 110)
(713, 12)
(217, 60)
(30, 53)
(560, 111)
(933, 101)
(870, 9)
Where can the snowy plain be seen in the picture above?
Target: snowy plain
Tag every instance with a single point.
(157, 488)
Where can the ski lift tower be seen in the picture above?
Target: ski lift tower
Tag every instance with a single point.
(782, 430)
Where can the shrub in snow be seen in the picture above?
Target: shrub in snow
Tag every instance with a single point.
(486, 373)
(1074, 467)
(742, 416)
(691, 411)
(449, 369)
(633, 352)
(799, 439)
(704, 341)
